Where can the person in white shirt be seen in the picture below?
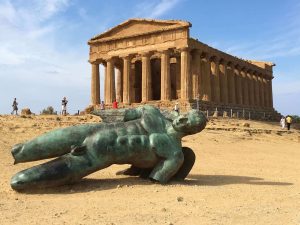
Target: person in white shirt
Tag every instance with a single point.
(282, 122)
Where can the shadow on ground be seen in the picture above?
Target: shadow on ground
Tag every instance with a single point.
(90, 184)
(219, 180)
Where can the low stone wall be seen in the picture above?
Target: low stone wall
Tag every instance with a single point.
(210, 109)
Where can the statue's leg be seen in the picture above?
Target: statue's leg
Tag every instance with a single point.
(52, 144)
(181, 174)
(189, 160)
(66, 169)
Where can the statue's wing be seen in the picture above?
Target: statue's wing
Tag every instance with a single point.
(110, 115)
(123, 115)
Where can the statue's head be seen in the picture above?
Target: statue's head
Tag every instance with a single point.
(192, 122)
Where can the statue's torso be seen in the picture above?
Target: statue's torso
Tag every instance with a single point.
(131, 142)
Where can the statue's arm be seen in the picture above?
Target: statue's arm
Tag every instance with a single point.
(132, 114)
(172, 158)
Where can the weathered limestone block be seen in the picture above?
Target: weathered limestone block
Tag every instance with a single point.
(26, 111)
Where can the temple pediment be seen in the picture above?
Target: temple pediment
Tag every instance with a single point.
(137, 27)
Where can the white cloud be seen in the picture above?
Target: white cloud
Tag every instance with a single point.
(155, 9)
(25, 31)
(32, 67)
(284, 41)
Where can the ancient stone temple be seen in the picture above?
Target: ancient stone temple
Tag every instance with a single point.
(157, 62)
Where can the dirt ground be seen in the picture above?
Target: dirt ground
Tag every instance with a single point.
(242, 175)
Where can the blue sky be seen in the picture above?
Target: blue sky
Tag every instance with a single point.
(44, 51)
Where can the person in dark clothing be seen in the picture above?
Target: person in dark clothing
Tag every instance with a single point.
(288, 122)
(64, 103)
(15, 107)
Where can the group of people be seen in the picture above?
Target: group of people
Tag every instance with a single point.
(64, 103)
(286, 122)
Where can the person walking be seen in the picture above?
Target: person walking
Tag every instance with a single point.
(115, 104)
(289, 122)
(102, 106)
(176, 107)
(282, 122)
(64, 103)
(15, 107)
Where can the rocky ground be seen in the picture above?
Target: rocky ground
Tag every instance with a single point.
(244, 174)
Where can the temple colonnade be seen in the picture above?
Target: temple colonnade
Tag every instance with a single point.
(182, 74)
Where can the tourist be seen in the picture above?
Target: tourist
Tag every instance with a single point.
(115, 104)
(176, 107)
(282, 122)
(288, 122)
(15, 107)
(64, 103)
(102, 106)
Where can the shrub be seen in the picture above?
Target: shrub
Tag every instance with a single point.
(296, 119)
(49, 111)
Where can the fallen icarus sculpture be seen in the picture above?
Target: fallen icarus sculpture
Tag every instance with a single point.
(147, 140)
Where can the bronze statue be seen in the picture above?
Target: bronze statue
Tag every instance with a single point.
(147, 140)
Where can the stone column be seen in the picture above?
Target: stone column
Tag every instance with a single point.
(238, 82)
(251, 89)
(223, 82)
(95, 85)
(231, 84)
(271, 93)
(256, 84)
(245, 88)
(126, 82)
(215, 78)
(185, 74)
(178, 78)
(266, 93)
(165, 93)
(146, 77)
(261, 92)
(196, 74)
(105, 81)
(110, 82)
(119, 89)
(205, 73)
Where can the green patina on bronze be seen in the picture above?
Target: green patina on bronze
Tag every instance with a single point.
(146, 139)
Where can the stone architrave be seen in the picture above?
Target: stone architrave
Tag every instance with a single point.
(95, 84)
(165, 76)
(146, 77)
(185, 74)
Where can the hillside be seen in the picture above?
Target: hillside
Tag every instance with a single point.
(246, 172)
